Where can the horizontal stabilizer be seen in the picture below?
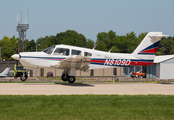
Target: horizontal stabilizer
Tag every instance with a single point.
(158, 36)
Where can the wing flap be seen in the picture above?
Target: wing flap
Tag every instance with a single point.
(78, 62)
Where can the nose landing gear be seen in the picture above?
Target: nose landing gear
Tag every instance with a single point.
(23, 77)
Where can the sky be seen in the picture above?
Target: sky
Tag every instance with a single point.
(87, 17)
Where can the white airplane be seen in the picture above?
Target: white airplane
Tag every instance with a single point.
(71, 58)
(5, 72)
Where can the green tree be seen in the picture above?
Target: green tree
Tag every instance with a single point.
(101, 46)
(106, 38)
(89, 44)
(71, 37)
(31, 45)
(105, 41)
(8, 47)
(45, 42)
(132, 41)
(166, 46)
(120, 42)
(141, 37)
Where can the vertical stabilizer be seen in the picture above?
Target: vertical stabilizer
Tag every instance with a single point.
(5, 72)
(149, 45)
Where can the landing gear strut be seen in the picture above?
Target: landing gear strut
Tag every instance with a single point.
(65, 77)
(70, 79)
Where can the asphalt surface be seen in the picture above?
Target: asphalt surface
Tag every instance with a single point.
(85, 88)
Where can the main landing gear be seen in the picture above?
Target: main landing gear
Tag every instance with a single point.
(69, 76)
(70, 79)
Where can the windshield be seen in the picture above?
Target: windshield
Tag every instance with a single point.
(49, 50)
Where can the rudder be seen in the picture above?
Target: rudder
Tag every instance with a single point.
(149, 45)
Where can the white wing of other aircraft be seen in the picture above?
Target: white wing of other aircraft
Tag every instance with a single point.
(5, 72)
(71, 58)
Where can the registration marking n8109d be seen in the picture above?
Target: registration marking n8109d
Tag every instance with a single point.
(117, 62)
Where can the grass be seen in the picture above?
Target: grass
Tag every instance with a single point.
(88, 107)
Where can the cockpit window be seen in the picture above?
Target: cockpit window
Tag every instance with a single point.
(61, 51)
(88, 54)
(76, 52)
(49, 50)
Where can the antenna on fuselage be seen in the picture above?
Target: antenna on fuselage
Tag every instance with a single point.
(111, 49)
(95, 46)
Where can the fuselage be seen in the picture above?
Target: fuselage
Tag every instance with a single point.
(71, 58)
(99, 59)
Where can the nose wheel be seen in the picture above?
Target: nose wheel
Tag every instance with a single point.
(23, 77)
(70, 79)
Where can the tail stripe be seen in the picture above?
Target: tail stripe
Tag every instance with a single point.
(151, 50)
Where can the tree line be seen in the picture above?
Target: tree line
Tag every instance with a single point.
(105, 41)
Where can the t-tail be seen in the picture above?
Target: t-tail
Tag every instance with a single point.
(148, 47)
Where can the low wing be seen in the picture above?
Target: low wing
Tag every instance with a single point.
(78, 62)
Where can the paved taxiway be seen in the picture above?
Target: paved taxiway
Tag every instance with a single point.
(84, 88)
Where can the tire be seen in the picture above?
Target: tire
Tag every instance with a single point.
(71, 79)
(64, 78)
(23, 78)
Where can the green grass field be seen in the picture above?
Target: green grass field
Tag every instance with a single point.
(88, 107)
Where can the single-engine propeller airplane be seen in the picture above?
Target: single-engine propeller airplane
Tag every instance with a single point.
(71, 58)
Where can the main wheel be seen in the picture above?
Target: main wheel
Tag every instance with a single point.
(71, 79)
(23, 77)
(64, 78)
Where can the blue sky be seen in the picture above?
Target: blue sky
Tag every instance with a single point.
(88, 17)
